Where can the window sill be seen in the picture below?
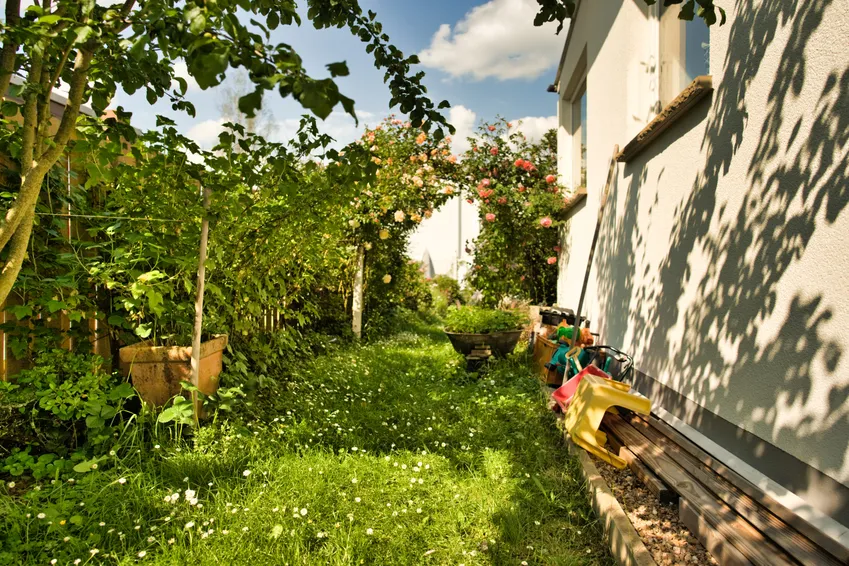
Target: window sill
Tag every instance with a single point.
(573, 200)
(674, 111)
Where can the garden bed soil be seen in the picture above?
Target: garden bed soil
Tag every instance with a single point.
(668, 540)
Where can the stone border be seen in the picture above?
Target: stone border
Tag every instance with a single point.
(624, 542)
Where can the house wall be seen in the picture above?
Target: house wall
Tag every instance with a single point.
(723, 253)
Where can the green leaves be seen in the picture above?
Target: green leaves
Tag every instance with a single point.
(196, 18)
(88, 465)
(54, 306)
(180, 412)
(339, 69)
(250, 103)
(206, 67)
(20, 311)
(84, 32)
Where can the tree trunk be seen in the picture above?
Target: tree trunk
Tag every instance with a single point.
(357, 306)
(196, 332)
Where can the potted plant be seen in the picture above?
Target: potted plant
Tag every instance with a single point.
(474, 328)
(156, 371)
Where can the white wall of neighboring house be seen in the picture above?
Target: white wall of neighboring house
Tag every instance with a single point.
(439, 235)
(723, 259)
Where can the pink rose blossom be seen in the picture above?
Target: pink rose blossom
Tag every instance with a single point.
(502, 200)
(552, 260)
(470, 200)
(485, 183)
(492, 128)
(490, 217)
(494, 151)
(519, 162)
(521, 188)
(550, 179)
(545, 222)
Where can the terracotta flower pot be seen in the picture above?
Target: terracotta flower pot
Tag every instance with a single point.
(501, 343)
(157, 371)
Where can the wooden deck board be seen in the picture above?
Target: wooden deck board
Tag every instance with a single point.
(751, 508)
(653, 483)
(734, 528)
(787, 515)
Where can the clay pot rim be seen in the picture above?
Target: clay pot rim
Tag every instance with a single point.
(496, 333)
(144, 351)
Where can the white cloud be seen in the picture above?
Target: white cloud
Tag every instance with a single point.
(463, 120)
(466, 122)
(206, 133)
(182, 70)
(339, 125)
(534, 127)
(497, 39)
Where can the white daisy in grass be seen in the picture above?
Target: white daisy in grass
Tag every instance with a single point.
(369, 531)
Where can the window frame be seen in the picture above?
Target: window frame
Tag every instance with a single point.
(670, 87)
(577, 131)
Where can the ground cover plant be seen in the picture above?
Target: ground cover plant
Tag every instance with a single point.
(379, 454)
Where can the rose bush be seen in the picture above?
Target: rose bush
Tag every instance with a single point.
(514, 184)
(412, 179)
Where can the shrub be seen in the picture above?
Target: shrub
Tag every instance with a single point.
(68, 400)
(520, 207)
(479, 320)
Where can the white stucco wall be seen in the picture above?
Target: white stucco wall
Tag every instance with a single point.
(723, 261)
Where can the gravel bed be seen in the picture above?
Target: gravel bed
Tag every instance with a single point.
(667, 539)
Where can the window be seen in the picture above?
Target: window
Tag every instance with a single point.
(579, 139)
(684, 52)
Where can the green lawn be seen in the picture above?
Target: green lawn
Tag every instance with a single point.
(382, 454)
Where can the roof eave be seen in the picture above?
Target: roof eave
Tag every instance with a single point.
(566, 45)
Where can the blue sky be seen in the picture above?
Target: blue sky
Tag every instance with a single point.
(485, 57)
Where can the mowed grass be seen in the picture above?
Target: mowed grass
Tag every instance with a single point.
(380, 454)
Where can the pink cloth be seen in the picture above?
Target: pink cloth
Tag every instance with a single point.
(563, 395)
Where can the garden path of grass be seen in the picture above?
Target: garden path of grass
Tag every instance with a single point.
(381, 454)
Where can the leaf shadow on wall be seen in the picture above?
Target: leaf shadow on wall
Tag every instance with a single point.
(800, 401)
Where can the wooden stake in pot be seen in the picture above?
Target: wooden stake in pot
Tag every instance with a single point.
(196, 332)
(576, 330)
(357, 301)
